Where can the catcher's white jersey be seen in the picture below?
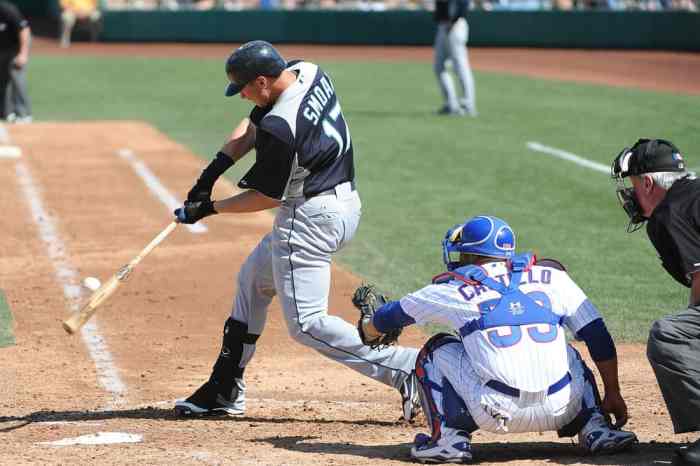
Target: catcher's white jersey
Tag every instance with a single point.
(529, 357)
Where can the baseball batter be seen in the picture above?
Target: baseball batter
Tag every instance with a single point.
(304, 167)
(511, 369)
(450, 47)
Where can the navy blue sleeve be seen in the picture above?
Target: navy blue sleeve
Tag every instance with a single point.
(598, 340)
(391, 316)
(273, 166)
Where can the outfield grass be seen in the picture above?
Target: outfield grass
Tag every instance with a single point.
(419, 174)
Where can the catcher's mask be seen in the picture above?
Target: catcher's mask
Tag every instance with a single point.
(645, 156)
(483, 235)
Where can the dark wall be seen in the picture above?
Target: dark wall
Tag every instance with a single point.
(37, 8)
(595, 29)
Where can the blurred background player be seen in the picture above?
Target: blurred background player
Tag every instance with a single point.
(15, 38)
(666, 196)
(304, 167)
(511, 369)
(450, 47)
(83, 11)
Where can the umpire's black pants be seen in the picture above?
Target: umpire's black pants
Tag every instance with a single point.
(673, 350)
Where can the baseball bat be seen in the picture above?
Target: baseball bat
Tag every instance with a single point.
(78, 319)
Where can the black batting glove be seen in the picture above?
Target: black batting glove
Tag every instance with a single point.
(201, 191)
(198, 194)
(192, 212)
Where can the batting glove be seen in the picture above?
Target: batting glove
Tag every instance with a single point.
(192, 212)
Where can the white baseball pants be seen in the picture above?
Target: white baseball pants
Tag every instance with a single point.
(484, 403)
(293, 262)
(450, 46)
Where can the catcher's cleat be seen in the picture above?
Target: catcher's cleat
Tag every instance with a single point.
(410, 398)
(597, 438)
(453, 446)
(207, 402)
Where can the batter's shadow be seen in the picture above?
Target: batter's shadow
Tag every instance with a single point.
(651, 453)
(10, 423)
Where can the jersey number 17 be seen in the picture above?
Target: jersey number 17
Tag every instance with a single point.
(334, 127)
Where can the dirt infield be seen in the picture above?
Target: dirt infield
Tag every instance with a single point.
(156, 339)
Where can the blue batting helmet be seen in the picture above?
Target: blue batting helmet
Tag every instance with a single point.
(483, 235)
(250, 60)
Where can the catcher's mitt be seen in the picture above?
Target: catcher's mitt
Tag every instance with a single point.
(368, 300)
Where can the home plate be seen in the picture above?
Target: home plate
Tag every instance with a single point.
(10, 152)
(100, 438)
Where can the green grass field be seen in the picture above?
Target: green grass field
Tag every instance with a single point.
(7, 336)
(419, 174)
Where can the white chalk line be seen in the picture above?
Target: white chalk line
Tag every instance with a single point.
(10, 152)
(100, 438)
(4, 135)
(156, 187)
(68, 277)
(562, 154)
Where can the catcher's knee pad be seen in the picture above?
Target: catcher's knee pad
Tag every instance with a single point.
(433, 343)
(237, 348)
(457, 415)
(441, 403)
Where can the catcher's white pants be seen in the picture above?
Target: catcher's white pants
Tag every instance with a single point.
(486, 405)
(450, 46)
(293, 262)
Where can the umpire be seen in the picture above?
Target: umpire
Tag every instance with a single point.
(15, 37)
(665, 195)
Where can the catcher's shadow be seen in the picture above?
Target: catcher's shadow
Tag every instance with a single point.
(507, 452)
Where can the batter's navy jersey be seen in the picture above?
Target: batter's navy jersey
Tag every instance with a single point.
(303, 142)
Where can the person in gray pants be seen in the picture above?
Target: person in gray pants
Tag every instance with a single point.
(15, 37)
(16, 96)
(666, 196)
(450, 47)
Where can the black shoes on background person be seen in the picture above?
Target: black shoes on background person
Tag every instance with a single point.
(462, 110)
(688, 456)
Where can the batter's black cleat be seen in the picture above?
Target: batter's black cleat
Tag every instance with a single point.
(410, 399)
(206, 401)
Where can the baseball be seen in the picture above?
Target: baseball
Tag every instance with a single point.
(91, 283)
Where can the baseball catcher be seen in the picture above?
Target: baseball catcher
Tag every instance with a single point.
(510, 369)
(367, 300)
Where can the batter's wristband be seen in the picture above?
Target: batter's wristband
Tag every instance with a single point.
(214, 170)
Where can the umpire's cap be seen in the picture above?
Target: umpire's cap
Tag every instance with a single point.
(648, 156)
(250, 60)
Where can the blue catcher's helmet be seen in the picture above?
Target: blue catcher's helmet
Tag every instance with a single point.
(483, 235)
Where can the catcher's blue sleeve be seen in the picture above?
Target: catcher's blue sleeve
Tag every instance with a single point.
(598, 340)
(391, 316)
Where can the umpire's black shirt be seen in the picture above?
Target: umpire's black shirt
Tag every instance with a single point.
(674, 229)
(11, 22)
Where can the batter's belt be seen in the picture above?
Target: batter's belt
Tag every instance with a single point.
(339, 190)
